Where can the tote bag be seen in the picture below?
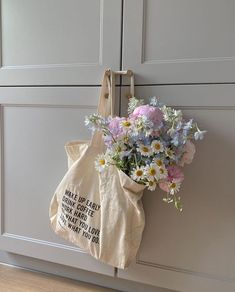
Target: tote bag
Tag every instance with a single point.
(101, 213)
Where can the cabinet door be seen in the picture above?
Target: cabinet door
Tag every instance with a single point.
(194, 251)
(59, 42)
(35, 125)
(184, 41)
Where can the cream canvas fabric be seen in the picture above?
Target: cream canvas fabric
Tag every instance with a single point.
(102, 213)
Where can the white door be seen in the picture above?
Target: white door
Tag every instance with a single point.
(194, 251)
(46, 46)
(35, 125)
(59, 42)
(184, 41)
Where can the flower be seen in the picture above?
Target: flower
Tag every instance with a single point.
(151, 171)
(199, 135)
(138, 173)
(158, 161)
(164, 186)
(126, 124)
(101, 162)
(188, 125)
(119, 147)
(169, 153)
(162, 172)
(151, 184)
(134, 103)
(144, 150)
(150, 145)
(189, 151)
(154, 101)
(115, 126)
(157, 146)
(175, 173)
(94, 122)
(152, 113)
(174, 187)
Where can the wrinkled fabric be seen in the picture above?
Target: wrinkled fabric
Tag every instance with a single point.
(120, 219)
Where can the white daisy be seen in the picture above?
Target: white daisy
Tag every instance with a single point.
(145, 150)
(169, 153)
(126, 124)
(174, 187)
(119, 147)
(157, 146)
(151, 171)
(162, 172)
(138, 173)
(151, 184)
(158, 161)
(101, 162)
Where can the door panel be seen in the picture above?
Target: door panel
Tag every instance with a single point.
(167, 41)
(193, 251)
(35, 125)
(59, 42)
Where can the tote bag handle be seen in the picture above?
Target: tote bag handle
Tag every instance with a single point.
(107, 98)
(106, 103)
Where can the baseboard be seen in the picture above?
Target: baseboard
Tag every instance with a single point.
(75, 274)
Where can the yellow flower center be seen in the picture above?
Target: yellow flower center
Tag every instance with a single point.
(126, 124)
(102, 162)
(150, 183)
(145, 149)
(161, 170)
(139, 172)
(152, 171)
(126, 139)
(169, 153)
(119, 148)
(159, 162)
(157, 146)
(173, 185)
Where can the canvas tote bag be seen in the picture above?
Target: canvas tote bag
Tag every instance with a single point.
(102, 213)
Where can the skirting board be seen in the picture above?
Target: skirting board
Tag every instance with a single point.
(76, 274)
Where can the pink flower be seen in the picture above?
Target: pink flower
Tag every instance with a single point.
(164, 186)
(175, 173)
(152, 113)
(115, 126)
(189, 153)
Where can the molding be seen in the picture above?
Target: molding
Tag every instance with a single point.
(101, 39)
(204, 107)
(42, 242)
(0, 34)
(171, 61)
(47, 66)
(57, 65)
(192, 107)
(143, 28)
(184, 271)
(3, 105)
(13, 237)
(2, 171)
(191, 60)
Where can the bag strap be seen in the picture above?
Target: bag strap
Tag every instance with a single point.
(106, 103)
(107, 94)
(107, 99)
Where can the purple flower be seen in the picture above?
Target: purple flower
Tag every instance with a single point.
(152, 113)
(115, 126)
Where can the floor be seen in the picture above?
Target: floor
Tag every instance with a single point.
(19, 280)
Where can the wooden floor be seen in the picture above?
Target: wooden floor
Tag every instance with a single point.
(18, 280)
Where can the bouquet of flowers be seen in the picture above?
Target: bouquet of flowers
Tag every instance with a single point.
(151, 145)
